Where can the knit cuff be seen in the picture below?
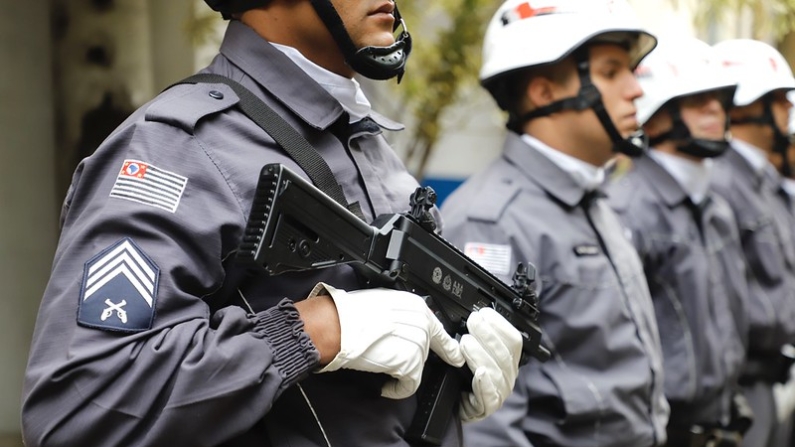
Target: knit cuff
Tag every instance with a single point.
(294, 354)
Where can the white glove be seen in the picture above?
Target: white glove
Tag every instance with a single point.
(492, 349)
(388, 331)
(784, 396)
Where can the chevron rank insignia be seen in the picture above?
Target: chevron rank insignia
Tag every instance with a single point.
(119, 289)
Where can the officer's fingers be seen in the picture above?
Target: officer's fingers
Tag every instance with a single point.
(478, 358)
(470, 409)
(445, 346)
(486, 392)
(400, 388)
(493, 330)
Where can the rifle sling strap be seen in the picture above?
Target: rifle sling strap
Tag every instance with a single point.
(296, 146)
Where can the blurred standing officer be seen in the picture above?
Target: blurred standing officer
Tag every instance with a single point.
(784, 393)
(688, 241)
(787, 166)
(144, 338)
(746, 179)
(564, 72)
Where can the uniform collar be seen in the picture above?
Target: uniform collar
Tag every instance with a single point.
(692, 176)
(789, 186)
(286, 81)
(346, 90)
(543, 171)
(734, 158)
(668, 188)
(588, 176)
(754, 156)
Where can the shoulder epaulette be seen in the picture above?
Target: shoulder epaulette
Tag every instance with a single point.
(500, 196)
(184, 105)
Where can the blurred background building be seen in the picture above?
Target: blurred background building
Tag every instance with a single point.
(72, 70)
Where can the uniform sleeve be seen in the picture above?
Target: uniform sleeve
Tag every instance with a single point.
(125, 349)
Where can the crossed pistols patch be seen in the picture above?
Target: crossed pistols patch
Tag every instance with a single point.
(119, 289)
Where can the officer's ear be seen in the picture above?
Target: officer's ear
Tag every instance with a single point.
(540, 92)
(659, 123)
(740, 113)
(551, 83)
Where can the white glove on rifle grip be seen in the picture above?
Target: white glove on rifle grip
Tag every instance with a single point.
(388, 331)
(784, 397)
(492, 349)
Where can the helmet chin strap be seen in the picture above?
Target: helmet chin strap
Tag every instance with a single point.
(588, 97)
(379, 63)
(684, 140)
(780, 141)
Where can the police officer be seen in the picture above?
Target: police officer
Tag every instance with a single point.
(564, 72)
(746, 179)
(784, 392)
(688, 241)
(785, 166)
(147, 336)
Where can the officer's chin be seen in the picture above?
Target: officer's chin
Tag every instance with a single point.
(378, 39)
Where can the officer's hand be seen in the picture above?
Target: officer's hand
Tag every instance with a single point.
(784, 397)
(492, 349)
(388, 331)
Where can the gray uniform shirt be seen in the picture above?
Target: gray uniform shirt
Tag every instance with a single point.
(165, 199)
(603, 385)
(765, 232)
(695, 268)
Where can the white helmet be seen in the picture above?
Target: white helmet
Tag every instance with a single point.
(678, 67)
(757, 67)
(528, 33)
(759, 70)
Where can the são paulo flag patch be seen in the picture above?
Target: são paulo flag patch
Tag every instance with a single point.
(492, 257)
(145, 183)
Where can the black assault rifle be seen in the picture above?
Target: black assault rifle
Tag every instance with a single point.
(294, 226)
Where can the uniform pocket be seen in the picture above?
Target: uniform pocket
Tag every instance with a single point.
(578, 396)
(592, 271)
(677, 344)
(765, 256)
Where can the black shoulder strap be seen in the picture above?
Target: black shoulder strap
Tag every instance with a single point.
(299, 149)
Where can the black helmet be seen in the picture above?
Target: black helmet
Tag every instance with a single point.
(372, 62)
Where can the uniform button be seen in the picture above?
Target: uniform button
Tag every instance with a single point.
(216, 94)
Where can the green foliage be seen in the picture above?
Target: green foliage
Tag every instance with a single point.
(202, 25)
(444, 63)
(774, 18)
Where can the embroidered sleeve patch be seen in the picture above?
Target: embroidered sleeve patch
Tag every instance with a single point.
(144, 183)
(119, 289)
(494, 258)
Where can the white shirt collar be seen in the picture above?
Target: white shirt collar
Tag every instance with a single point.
(693, 176)
(346, 90)
(789, 186)
(588, 176)
(755, 156)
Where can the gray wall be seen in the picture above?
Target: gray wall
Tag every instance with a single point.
(46, 86)
(27, 192)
